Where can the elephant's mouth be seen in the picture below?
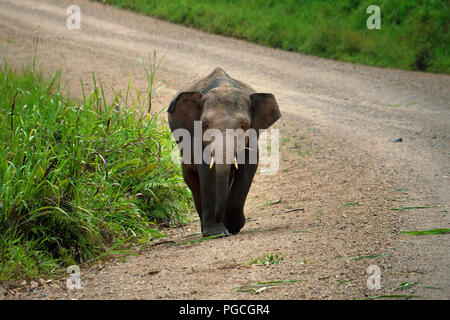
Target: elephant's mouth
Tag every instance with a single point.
(213, 161)
(233, 170)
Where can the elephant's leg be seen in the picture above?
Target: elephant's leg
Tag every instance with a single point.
(208, 196)
(192, 180)
(234, 218)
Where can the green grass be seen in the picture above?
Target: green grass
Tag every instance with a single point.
(394, 296)
(300, 231)
(408, 285)
(258, 287)
(412, 208)
(79, 180)
(369, 257)
(351, 204)
(267, 259)
(427, 232)
(414, 34)
(199, 240)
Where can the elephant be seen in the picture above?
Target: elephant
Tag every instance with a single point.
(220, 187)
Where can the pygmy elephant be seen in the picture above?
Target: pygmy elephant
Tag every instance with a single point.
(218, 181)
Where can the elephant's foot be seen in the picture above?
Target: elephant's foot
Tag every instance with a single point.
(215, 229)
(234, 223)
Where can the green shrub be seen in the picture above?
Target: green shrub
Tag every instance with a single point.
(414, 34)
(79, 178)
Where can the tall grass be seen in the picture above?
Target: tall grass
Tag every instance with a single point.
(79, 178)
(414, 35)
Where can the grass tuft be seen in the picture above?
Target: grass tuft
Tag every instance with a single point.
(79, 180)
(258, 287)
(394, 296)
(267, 259)
(427, 232)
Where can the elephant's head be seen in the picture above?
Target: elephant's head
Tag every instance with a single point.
(221, 108)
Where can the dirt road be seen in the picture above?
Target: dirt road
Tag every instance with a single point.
(339, 162)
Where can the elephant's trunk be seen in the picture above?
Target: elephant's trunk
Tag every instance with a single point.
(222, 189)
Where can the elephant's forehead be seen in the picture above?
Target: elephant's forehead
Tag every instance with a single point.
(226, 97)
(225, 115)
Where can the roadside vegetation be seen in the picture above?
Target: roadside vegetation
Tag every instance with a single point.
(80, 180)
(414, 35)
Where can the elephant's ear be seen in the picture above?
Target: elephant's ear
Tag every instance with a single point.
(184, 110)
(265, 110)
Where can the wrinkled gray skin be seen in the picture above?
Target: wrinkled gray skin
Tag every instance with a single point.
(222, 103)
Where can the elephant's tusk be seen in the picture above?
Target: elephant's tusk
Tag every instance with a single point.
(235, 162)
(212, 162)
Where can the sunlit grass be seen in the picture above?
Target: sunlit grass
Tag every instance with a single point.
(413, 35)
(79, 179)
